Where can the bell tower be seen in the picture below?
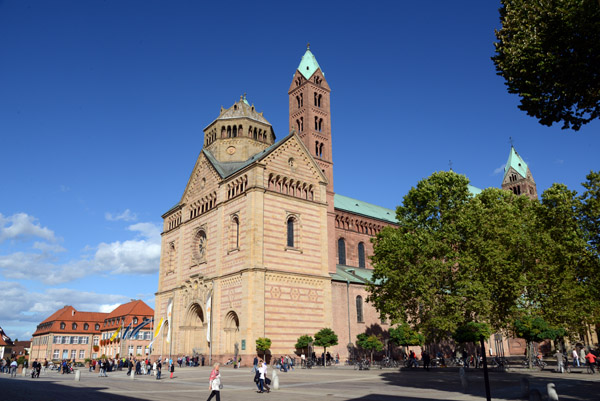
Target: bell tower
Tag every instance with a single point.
(310, 112)
(310, 117)
(517, 176)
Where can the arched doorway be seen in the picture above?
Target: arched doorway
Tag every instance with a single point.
(194, 331)
(231, 330)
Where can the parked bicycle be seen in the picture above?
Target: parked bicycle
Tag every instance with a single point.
(362, 365)
(538, 363)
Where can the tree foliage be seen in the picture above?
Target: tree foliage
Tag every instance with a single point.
(326, 338)
(403, 335)
(303, 342)
(263, 344)
(472, 332)
(457, 259)
(369, 343)
(548, 52)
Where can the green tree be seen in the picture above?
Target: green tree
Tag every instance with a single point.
(565, 263)
(303, 342)
(369, 343)
(263, 344)
(404, 336)
(472, 332)
(535, 329)
(326, 338)
(548, 53)
(590, 211)
(415, 263)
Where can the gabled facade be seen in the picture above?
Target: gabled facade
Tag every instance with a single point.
(260, 245)
(128, 315)
(67, 334)
(75, 335)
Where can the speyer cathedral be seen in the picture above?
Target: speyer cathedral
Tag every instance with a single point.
(260, 231)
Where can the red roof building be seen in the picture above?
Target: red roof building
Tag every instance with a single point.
(71, 334)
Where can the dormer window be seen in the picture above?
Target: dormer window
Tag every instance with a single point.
(74, 326)
(62, 326)
(97, 327)
(135, 320)
(86, 326)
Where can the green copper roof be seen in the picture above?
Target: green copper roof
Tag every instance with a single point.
(363, 208)
(474, 190)
(516, 162)
(308, 65)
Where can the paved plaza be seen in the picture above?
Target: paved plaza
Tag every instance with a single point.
(332, 383)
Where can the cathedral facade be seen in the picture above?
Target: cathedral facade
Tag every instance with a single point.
(260, 245)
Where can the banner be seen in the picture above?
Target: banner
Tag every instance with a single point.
(137, 328)
(126, 332)
(169, 313)
(156, 333)
(158, 327)
(112, 338)
(208, 310)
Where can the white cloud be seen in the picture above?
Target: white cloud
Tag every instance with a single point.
(46, 247)
(140, 255)
(127, 215)
(22, 226)
(22, 309)
(499, 170)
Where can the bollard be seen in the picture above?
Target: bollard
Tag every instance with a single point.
(77, 375)
(275, 380)
(24, 372)
(552, 394)
(132, 375)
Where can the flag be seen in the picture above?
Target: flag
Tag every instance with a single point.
(158, 327)
(126, 332)
(156, 333)
(137, 328)
(208, 307)
(169, 313)
(115, 335)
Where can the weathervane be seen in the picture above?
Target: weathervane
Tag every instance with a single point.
(511, 141)
(450, 164)
(308, 46)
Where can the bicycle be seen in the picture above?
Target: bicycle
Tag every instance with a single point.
(535, 363)
(362, 365)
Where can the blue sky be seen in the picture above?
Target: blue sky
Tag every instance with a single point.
(102, 106)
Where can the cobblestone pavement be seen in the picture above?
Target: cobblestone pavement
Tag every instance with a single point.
(332, 383)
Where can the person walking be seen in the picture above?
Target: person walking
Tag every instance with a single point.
(13, 368)
(255, 365)
(575, 358)
(591, 360)
(426, 359)
(560, 367)
(172, 368)
(263, 380)
(214, 383)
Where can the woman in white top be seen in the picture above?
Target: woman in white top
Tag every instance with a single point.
(263, 378)
(215, 383)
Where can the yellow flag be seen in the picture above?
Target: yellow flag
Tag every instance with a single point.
(158, 327)
(115, 335)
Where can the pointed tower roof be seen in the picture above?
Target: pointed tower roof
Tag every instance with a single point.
(308, 64)
(516, 162)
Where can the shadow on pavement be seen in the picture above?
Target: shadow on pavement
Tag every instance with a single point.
(505, 385)
(26, 390)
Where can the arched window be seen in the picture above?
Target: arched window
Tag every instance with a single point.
(341, 251)
(235, 232)
(361, 254)
(301, 100)
(74, 326)
(135, 320)
(62, 326)
(234, 131)
(290, 232)
(86, 326)
(359, 309)
(97, 327)
(301, 124)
